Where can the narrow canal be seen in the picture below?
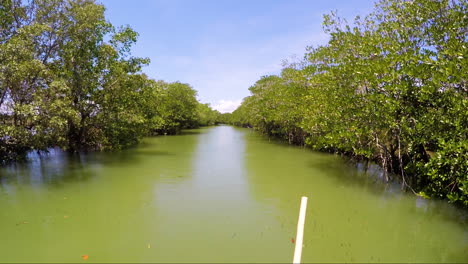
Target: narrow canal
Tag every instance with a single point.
(219, 194)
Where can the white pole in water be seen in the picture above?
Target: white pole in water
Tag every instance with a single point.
(300, 231)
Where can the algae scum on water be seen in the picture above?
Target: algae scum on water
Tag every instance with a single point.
(219, 194)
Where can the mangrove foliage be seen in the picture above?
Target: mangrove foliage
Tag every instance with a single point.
(390, 87)
(68, 79)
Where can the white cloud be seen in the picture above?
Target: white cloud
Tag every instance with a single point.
(226, 73)
(227, 57)
(227, 106)
(221, 48)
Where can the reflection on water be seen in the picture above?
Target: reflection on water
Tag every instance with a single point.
(54, 168)
(353, 216)
(219, 194)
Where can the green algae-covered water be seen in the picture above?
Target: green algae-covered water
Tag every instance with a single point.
(218, 194)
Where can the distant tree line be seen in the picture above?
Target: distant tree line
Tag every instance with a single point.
(390, 87)
(68, 79)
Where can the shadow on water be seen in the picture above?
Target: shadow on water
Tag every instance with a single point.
(191, 132)
(344, 169)
(350, 172)
(352, 205)
(54, 168)
(210, 191)
(371, 178)
(57, 167)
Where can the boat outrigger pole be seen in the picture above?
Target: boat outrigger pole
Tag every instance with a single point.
(300, 231)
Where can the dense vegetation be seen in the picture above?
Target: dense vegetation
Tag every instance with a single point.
(390, 87)
(67, 79)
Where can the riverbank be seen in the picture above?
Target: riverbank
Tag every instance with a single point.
(85, 91)
(387, 88)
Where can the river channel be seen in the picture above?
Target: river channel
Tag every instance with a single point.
(217, 194)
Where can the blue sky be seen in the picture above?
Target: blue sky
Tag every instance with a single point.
(221, 47)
